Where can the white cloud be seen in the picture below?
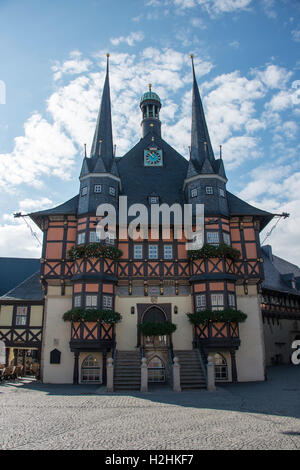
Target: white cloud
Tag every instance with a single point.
(234, 44)
(75, 65)
(17, 240)
(274, 76)
(130, 39)
(44, 148)
(296, 35)
(284, 99)
(214, 6)
(30, 205)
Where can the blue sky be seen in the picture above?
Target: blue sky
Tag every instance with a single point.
(52, 63)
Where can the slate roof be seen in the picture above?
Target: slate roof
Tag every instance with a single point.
(29, 289)
(68, 208)
(274, 270)
(239, 207)
(15, 270)
(139, 182)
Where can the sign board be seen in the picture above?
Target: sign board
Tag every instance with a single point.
(2, 352)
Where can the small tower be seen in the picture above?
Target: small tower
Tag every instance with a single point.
(150, 106)
(99, 178)
(205, 182)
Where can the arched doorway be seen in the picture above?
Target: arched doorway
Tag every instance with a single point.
(154, 315)
(156, 370)
(221, 368)
(90, 370)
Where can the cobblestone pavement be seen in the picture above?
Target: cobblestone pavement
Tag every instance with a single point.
(242, 416)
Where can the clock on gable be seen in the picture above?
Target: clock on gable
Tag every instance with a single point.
(153, 157)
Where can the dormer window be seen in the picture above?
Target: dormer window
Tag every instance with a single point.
(221, 192)
(209, 190)
(112, 191)
(293, 284)
(194, 193)
(154, 200)
(84, 191)
(97, 188)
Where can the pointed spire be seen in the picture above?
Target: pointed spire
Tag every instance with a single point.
(103, 142)
(200, 145)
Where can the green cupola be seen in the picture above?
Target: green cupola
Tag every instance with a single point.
(150, 106)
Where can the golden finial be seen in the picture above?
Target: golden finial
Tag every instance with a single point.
(192, 56)
(150, 86)
(107, 55)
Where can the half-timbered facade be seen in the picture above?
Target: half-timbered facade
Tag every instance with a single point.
(153, 279)
(280, 306)
(21, 323)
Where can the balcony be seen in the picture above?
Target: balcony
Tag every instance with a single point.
(220, 335)
(92, 336)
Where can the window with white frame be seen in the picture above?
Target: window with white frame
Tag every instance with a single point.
(168, 252)
(217, 301)
(153, 251)
(91, 301)
(81, 238)
(221, 192)
(231, 300)
(194, 192)
(107, 302)
(97, 188)
(209, 190)
(21, 315)
(138, 251)
(94, 237)
(212, 238)
(112, 191)
(221, 368)
(77, 300)
(200, 302)
(226, 238)
(84, 191)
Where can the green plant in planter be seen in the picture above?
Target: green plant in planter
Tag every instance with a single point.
(212, 251)
(92, 315)
(157, 329)
(227, 315)
(94, 250)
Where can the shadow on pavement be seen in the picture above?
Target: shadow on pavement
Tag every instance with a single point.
(279, 395)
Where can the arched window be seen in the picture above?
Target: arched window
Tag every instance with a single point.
(154, 315)
(221, 368)
(90, 370)
(156, 370)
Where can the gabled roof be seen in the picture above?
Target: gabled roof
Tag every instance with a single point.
(29, 289)
(275, 269)
(138, 181)
(15, 270)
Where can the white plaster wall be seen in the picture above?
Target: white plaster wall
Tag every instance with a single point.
(56, 328)
(250, 357)
(283, 333)
(126, 330)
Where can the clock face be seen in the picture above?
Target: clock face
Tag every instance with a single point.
(153, 157)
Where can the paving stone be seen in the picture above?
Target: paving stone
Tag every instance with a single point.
(237, 416)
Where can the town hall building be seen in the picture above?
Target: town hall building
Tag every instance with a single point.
(122, 301)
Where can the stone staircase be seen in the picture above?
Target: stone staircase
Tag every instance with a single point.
(127, 370)
(191, 373)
